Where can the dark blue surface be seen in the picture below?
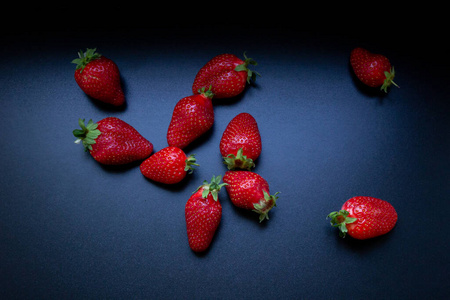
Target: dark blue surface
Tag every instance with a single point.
(71, 228)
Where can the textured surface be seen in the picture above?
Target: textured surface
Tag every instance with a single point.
(72, 228)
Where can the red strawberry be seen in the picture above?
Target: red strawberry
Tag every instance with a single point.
(99, 77)
(241, 142)
(372, 69)
(192, 117)
(250, 191)
(169, 165)
(364, 217)
(203, 213)
(112, 141)
(227, 74)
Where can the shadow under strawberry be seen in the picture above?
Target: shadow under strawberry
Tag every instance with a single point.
(235, 99)
(249, 215)
(120, 168)
(361, 246)
(176, 187)
(198, 142)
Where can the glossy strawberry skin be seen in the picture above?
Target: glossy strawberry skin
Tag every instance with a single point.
(369, 217)
(373, 70)
(100, 79)
(249, 190)
(241, 133)
(226, 73)
(203, 213)
(169, 165)
(191, 118)
(118, 143)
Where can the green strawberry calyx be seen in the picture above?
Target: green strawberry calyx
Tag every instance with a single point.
(265, 205)
(238, 161)
(251, 75)
(87, 134)
(389, 80)
(340, 219)
(190, 164)
(212, 187)
(85, 57)
(206, 92)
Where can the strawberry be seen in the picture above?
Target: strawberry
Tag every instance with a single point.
(372, 69)
(227, 74)
(240, 144)
(112, 141)
(191, 117)
(250, 191)
(203, 213)
(364, 217)
(99, 77)
(169, 165)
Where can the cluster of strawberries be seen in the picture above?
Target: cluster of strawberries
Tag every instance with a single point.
(112, 141)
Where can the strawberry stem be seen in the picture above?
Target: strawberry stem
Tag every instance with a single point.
(190, 163)
(85, 57)
(238, 161)
(87, 134)
(212, 187)
(340, 220)
(206, 92)
(251, 75)
(265, 205)
(389, 80)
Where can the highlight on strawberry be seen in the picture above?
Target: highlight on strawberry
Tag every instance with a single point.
(227, 74)
(364, 218)
(99, 77)
(372, 69)
(112, 141)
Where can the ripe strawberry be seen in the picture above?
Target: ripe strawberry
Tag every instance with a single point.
(112, 141)
(372, 69)
(227, 74)
(250, 191)
(99, 77)
(240, 144)
(203, 213)
(192, 117)
(169, 165)
(364, 217)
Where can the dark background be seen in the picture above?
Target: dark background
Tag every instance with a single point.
(71, 228)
